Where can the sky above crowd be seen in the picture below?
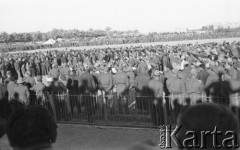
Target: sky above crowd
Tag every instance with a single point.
(143, 15)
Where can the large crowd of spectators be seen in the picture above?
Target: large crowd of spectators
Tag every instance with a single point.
(113, 40)
(141, 78)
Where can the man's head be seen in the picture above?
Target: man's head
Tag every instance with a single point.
(205, 118)
(31, 126)
(39, 78)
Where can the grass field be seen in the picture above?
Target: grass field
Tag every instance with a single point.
(75, 137)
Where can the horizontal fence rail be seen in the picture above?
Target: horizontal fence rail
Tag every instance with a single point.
(125, 110)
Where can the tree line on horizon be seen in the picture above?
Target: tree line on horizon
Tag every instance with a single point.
(77, 34)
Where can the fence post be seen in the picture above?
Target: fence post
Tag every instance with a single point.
(104, 105)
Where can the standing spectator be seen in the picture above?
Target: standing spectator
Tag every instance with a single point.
(141, 85)
(156, 103)
(10, 87)
(87, 87)
(202, 74)
(121, 83)
(29, 80)
(21, 92)
(40, 90)
(3, 100)
(54, 72)
(194, 89)
(106, 85)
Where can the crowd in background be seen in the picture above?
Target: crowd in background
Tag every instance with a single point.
(117, 39)
(143, 78)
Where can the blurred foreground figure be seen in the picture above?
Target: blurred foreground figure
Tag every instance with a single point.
(31, 128)
(203, 126)
(212, 118)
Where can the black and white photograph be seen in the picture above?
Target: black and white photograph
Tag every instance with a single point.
(119, 74)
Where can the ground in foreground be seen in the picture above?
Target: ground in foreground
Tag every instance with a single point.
(75, 137)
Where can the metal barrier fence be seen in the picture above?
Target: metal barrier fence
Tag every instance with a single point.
(135, 111)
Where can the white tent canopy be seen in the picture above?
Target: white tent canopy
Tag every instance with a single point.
(50, 41)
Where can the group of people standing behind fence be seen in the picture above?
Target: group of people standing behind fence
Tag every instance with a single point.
(153, 79)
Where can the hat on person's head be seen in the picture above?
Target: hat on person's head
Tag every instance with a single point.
(175, 71)
(39, 78)
(8, 72)
(12, 78)
(28, 73)
(63, 78)
(105, 69)
(49, 79)
(20, 80)
(194, 72)
(156, 73)
(114, 70)
(120, 68)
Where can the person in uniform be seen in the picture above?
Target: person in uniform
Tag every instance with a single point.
(132, 92)
(54, 72)
(65, 71)
(121, 83)
(194, 89)
(10, 88)
(40, 90)
(29, 80)
(141, 86)
(105, 81)
(174, 86)
(21, 94)
(202, 74)
(156, 89)
(87, 88)
(3, 101)
(72, 86)
(7, 80)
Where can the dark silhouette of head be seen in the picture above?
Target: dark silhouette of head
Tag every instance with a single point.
(31, 126)
(203, 118)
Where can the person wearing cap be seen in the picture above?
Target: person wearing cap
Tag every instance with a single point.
(3, 100)
(202, 74)
(72, 86)
(156, 104)
(32, 67)
(105, 80)
(21, 92)
(23, 67)
(175, 87)
(8, 75)
(43, 67)
(214, 87)
(40, 90)
(194, 89)
(29, 80)
(132, 92)
(121, 82)
(3, 68)
(65, 71)
(87, 87)
(10, 88)
(38, 66)
(141, 86)
(54, 72)
(48, 65)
